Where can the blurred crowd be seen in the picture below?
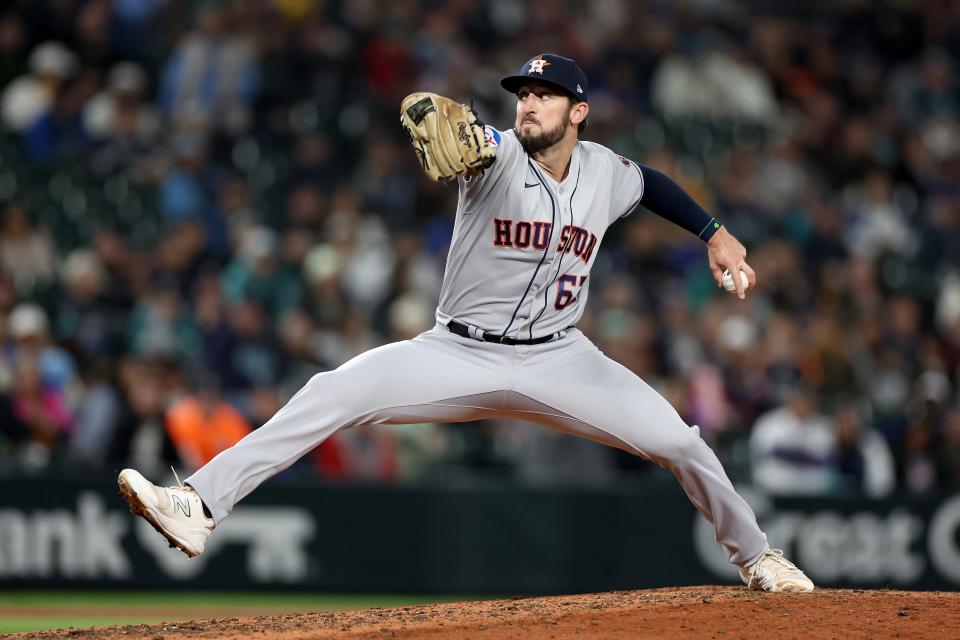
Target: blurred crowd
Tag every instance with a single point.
(203, 203)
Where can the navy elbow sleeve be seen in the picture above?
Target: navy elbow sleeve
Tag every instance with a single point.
(665, 198)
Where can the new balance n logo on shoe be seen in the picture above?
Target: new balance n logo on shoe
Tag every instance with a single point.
(181, 505)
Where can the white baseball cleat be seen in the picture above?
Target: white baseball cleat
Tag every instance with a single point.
(176, 512)
(773, 572)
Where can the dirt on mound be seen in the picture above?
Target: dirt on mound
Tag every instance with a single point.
(694, 612)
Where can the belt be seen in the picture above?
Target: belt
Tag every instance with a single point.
(476, 334)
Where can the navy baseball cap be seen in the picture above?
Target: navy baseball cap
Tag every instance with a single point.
(550, 69)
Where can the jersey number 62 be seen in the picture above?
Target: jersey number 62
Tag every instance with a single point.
(565, 290)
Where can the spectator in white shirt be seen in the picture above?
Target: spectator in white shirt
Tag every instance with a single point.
(792, 446)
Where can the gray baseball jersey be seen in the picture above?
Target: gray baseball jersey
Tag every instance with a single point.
(523, 244)
(519, 266)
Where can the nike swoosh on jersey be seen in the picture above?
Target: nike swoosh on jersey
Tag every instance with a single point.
(530, 186)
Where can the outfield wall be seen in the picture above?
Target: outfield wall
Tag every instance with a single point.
(481, 539)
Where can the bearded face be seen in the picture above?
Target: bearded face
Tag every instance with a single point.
(543, 115)
(534, 140)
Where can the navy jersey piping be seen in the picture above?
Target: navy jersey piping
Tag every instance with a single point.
(546, 289)
(553, 219)
(642, 187)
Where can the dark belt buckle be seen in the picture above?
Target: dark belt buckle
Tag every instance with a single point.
(490, 337)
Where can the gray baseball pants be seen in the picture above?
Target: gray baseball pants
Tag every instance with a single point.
(567, 384)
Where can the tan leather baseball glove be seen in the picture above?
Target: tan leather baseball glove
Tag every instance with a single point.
(447, 136)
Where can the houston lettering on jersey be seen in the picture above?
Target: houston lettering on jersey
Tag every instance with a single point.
(522, 235)
(577, 240)
(536, 235)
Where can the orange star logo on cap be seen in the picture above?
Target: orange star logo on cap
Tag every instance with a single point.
(537, 66)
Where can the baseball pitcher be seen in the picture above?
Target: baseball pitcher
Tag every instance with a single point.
(534, 205)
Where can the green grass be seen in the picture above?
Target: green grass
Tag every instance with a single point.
(46, 610)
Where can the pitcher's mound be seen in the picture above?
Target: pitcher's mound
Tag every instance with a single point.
(691, 612)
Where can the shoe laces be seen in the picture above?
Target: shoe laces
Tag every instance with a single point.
(180, 484)
(776, 556)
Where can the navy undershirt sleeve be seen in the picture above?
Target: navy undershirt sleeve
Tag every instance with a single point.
(665, 198)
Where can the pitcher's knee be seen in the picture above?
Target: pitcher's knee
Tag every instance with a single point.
(333, 388)
(682, 446)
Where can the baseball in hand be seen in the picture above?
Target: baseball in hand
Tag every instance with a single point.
(728, 284)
